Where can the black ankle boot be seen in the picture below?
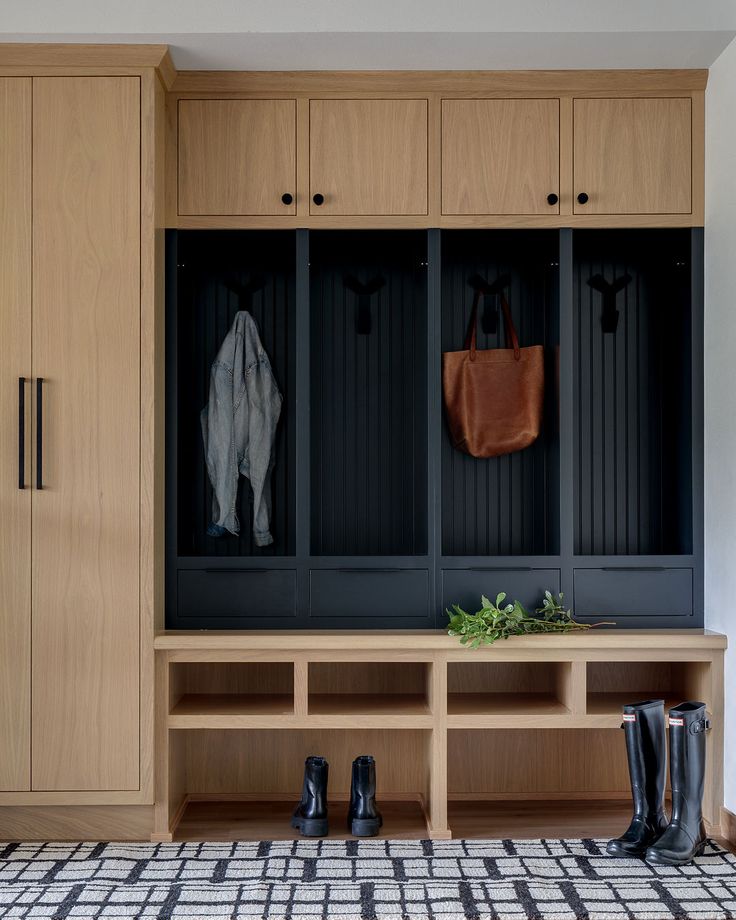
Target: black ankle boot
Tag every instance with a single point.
(645, 747)
(364, 819)
(310, 816)
(685, 837)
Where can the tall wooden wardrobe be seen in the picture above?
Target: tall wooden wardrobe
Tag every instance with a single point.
(77, 401)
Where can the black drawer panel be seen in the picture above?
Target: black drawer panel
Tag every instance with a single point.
(465, 586)
(259, 593)
(619, 593)
(369, 593)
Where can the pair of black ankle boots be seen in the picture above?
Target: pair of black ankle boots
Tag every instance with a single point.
(679, 841)
(310, 816)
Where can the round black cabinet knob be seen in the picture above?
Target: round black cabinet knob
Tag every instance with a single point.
(287, 198)
(552, 198)
(582, 198)
(318, 199)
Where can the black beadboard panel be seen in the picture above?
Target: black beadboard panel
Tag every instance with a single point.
(368, 396)
(206, 310)
(632, 395)
(507, 505)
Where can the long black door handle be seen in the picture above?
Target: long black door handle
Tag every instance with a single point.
(39, 432)
(21, 432)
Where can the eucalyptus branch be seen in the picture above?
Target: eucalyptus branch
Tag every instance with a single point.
(494, 621)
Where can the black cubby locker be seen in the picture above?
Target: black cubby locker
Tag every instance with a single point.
(378, 521)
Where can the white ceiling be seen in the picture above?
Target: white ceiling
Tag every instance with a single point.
(391, 34)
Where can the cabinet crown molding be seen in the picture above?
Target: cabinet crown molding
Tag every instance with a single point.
(72, 56)
(487, 83)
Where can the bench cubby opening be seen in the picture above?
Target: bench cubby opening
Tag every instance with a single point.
(612, 684)
(220, 688)
(494, 688)
(369, 688)
(244, 784)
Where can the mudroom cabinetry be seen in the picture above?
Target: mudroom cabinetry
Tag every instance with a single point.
(633, 156)
(500, 156)
(237, 156)
(585, 148)
(368, 156)
(76, 295)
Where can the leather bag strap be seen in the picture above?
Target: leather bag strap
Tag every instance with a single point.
(512, 340)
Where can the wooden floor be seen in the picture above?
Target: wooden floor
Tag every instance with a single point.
(235, 820)
(238, 820)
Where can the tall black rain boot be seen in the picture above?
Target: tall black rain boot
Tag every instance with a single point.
(685, 837)
(643, 725)
(364, 819)
(310, 816)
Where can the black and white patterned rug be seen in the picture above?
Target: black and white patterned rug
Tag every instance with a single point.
(358, 880)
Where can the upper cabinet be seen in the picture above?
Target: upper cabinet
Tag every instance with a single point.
(368, 156)
(589, 148)
(500, 156)
(632, 156)
(237, 156)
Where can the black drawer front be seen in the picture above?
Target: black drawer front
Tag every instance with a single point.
(353, 594)
(465, 586)
(620, 593)
(261, 593)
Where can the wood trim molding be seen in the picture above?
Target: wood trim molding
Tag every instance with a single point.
(632, 641)
(728, 825)
(48, 54)
(454, 83)
(74, 822)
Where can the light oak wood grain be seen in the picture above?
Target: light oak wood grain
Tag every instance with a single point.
(522, 719)
(652, 643)
(237, 156)
(500, 156)
(484, 83)
(70, 55)
(152, 420)
(15, 335)
(86, 302)
(76, 822)
(368, 156)
(633, 156)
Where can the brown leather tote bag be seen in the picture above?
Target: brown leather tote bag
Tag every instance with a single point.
(494, 398)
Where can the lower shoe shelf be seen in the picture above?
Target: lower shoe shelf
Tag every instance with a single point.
(215, 820)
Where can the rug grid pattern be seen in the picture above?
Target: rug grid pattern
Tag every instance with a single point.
(358, 880)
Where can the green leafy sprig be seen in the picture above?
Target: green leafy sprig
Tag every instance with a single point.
(498, 621)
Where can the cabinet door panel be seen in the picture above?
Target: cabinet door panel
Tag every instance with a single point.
(86, 346)
(633, 156)
(368, 156)
(237, 156)
(15, 335)
(500, 156)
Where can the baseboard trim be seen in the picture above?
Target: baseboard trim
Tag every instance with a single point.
(76, 822)
(728, 825)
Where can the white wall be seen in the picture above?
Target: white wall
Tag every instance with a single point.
(720, 378)
(386, 34)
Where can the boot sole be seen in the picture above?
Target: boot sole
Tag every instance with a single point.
(311, 827)
(664, 861)
(365, 827)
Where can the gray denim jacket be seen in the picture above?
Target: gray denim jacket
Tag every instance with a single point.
(239, 429)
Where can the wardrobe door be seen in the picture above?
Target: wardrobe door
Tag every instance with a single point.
(86, 347)
(500, 156)
(368, 156)
(15, 495)
(632, 156)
